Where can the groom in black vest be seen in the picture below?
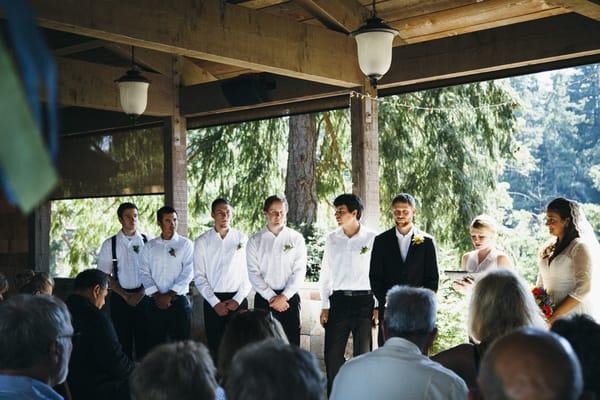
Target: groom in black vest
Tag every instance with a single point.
(403, 255)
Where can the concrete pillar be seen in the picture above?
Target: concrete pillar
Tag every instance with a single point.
(365, 153)
(176, 156)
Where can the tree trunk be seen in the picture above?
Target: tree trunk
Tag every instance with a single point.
(300, 182)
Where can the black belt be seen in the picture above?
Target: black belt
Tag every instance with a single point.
(353, 292)
(134, 290)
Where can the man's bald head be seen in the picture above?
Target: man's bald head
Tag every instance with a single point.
(530, 364)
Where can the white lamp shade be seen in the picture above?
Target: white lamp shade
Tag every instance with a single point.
(134, 96)
(375, 52)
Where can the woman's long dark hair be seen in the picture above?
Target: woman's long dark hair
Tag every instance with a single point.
(562, 207)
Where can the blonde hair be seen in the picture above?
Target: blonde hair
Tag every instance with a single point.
(500, 304)
(484, 221)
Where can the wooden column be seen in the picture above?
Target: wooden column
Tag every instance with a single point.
(39, 238)
(175, 155)
(365, 154)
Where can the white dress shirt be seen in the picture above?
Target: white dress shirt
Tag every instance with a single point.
(346, 262)
(397, 370)
(276, 262)
(404, 242)
(128, 252)
(220, 265)
(167, 265)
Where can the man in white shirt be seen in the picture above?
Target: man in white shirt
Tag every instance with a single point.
(167, 269)
(119, 258)
(400, 369)
(220, 272)
(276, 259)
(347, 300)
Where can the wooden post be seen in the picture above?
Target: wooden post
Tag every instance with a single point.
(365, 153)
(175, 155)
(39, 238)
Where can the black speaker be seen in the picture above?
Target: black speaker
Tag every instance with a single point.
(249, 89)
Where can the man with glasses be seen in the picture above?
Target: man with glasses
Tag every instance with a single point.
(35, 346)
(99, 369)
(403, 255)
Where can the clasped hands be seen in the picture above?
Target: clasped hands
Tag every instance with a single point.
(134, 298)
(279, 303)
(225, 307)
(163, 300)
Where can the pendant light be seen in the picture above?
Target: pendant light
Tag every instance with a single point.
(374, 42)
(133, 90)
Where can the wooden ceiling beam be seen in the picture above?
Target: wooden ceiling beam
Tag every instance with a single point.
(544, 41)
(90, 85)
(211, 30)
(78, 48)
(341, 15)
(586, 8)
(468, 17)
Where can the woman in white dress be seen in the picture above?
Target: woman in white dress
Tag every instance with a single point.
(486, 255)
(568, 267)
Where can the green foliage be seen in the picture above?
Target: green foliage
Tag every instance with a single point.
(447, 149)
(315, 237)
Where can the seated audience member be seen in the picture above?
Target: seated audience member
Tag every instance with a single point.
(181, 370)
(583, 334)
(35, 346)
(530, 364)
(243, 329)
(274, 370)
(399, 369)
(3, 287)
(500, 303)
(99, 369)
(35, 283)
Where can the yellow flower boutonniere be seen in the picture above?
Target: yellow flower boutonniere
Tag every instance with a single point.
(418, 239)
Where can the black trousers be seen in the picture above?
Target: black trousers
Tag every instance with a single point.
(215, 325)
(131, 324)
(170, 325)
(346, 314)
(290, 319)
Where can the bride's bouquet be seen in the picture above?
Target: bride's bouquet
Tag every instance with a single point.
(544, 301)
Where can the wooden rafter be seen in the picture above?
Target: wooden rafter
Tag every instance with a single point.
(211, 30)
(78, 48)
(587, 8)
(341, 15)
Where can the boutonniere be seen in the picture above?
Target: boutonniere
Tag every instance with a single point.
(136, 248)
(172, 252)
(288, 247)
(547, 252)
(364, 250)
(418, 239)
(240, 245)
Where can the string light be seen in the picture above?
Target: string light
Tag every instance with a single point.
(411, 107)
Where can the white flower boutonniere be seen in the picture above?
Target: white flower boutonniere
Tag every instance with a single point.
(418, 239)
(364, 250)
(172, 252)
(288, 247)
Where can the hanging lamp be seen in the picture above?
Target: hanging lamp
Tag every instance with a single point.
(133, 90)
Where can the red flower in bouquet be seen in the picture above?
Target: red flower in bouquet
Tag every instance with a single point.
(544, 301)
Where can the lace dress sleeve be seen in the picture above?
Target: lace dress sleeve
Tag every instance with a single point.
(582, 268)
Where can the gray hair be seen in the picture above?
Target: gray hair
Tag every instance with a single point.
(182, 370)
(501, 303)
(410, 311)
(273, 370)
(28, 324)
